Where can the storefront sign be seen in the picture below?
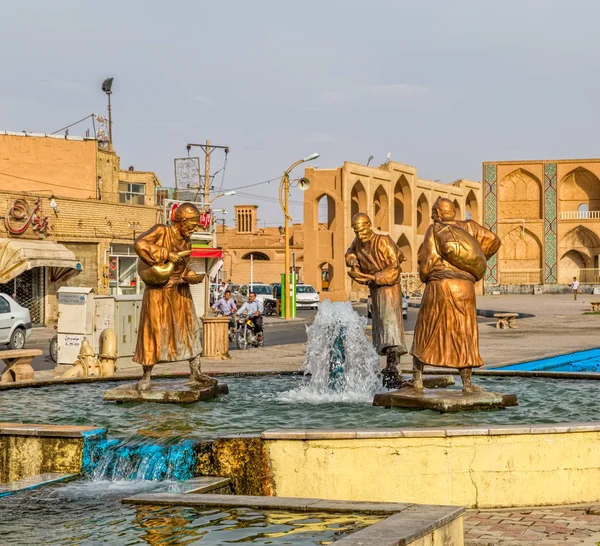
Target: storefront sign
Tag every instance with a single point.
(18, 218)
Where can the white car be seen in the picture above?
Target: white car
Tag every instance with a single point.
(15, 323)
(262, 291)
(306, 297)
(404, 307)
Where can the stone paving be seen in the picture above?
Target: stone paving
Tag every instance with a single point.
(535, 526)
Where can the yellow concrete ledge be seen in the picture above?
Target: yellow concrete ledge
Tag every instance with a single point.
(477, 467)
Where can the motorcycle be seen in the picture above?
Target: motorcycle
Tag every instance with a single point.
(269, 306)
(245, 334)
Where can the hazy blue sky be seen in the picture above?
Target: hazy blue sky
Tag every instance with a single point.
(442, 85)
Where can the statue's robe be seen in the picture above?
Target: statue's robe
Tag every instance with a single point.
(169, 328)
(446, 332)
(381, 258)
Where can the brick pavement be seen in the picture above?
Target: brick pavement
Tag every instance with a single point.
(535, 526)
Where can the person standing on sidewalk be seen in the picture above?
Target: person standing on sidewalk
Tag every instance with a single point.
(575, 287)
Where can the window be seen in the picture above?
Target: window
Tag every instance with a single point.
(305, 289)
(4, 306)
(261, 289)
(134, 194)
(122, 271)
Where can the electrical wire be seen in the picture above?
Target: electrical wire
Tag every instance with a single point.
(252, 185)
(38, 181)
(82, 119)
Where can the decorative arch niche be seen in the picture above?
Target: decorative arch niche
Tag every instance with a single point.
(579, 187)
(520, 258)
(520, 196)
(326, 212)
(381, 217)
(423, 214)
(358, 199)
(404, 245)
(402, 202)
(458, 210)
(471, 207)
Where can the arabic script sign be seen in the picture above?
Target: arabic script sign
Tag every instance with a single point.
(18, 218)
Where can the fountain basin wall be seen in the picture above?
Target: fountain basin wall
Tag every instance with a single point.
(32, 450)
(503, 466)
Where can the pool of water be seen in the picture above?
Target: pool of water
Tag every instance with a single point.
(581, 361)
(91, 513)
(255, 404)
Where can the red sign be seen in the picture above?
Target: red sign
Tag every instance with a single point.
(19, 210)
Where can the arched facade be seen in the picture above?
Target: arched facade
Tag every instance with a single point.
(471, 207)
(381, 210)
(388, 194)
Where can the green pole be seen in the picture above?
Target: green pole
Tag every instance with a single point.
(293, 295)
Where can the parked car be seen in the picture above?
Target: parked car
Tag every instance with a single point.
(404, 307)
(15, 323)
(306, 297)
(262, 291)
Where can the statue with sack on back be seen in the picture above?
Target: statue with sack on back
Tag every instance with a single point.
(451, 260)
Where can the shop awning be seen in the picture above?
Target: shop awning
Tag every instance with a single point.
(19, 255)
(207, 253)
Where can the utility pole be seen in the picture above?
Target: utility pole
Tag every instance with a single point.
(208, 149)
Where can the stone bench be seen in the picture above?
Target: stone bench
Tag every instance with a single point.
(595, 306)
(18, 364)
(506, 320)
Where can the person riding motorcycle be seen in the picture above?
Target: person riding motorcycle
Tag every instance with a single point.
(254, 308)
(226, 306)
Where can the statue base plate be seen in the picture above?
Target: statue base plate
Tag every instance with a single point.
(171, 393)
(444, 401)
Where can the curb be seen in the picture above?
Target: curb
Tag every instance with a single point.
(482, 312)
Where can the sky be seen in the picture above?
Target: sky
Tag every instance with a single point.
(440, 84)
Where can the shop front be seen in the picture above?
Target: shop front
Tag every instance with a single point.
(29, 267)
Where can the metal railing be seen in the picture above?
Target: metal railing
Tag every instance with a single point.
(580, 215)
(587, 276)
(520, 276)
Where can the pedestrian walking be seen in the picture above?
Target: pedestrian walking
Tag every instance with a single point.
(575, 287)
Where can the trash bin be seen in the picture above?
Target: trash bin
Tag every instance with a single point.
(215, 337)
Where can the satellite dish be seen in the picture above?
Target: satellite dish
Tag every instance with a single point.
(304, 184)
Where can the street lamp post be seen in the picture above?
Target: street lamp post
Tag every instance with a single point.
(284, 187)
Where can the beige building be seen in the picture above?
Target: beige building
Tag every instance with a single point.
(68, 200)
(398, 202)
(547, 214)
(265, 245)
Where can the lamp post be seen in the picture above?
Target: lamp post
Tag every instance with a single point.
(107, 88)
(284, 186)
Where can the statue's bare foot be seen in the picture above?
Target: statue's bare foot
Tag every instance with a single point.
(201, 381)
(472, 388)
(143, 384)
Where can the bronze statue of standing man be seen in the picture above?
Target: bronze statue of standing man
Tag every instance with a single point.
(451, 260)
(169, 328)
(374, 260)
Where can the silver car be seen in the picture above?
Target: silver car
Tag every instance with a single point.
(404, 307)
(15, 323)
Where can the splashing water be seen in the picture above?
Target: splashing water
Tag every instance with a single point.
(343, 364)
(117, 460)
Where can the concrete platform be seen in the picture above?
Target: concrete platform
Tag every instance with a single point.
(444, 401)
(174, 393)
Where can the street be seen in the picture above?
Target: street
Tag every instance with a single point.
(276, 333)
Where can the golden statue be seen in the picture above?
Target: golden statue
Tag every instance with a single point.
(374, 260)
(169, 328)
(451, 260)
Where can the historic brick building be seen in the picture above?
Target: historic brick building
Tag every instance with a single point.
(87, 211)
(547, 214)
(398, 202)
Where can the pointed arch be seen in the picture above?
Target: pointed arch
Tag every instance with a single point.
(256, 256)
(458, 210)
(520, 196)
(381, 216)
(582, 239)
(325, 212)
(472, 207)
(579, 187)
(325, 276)
(358, 199)
(423, 214)
(405, 247)
(520, 258)
(402, 202)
